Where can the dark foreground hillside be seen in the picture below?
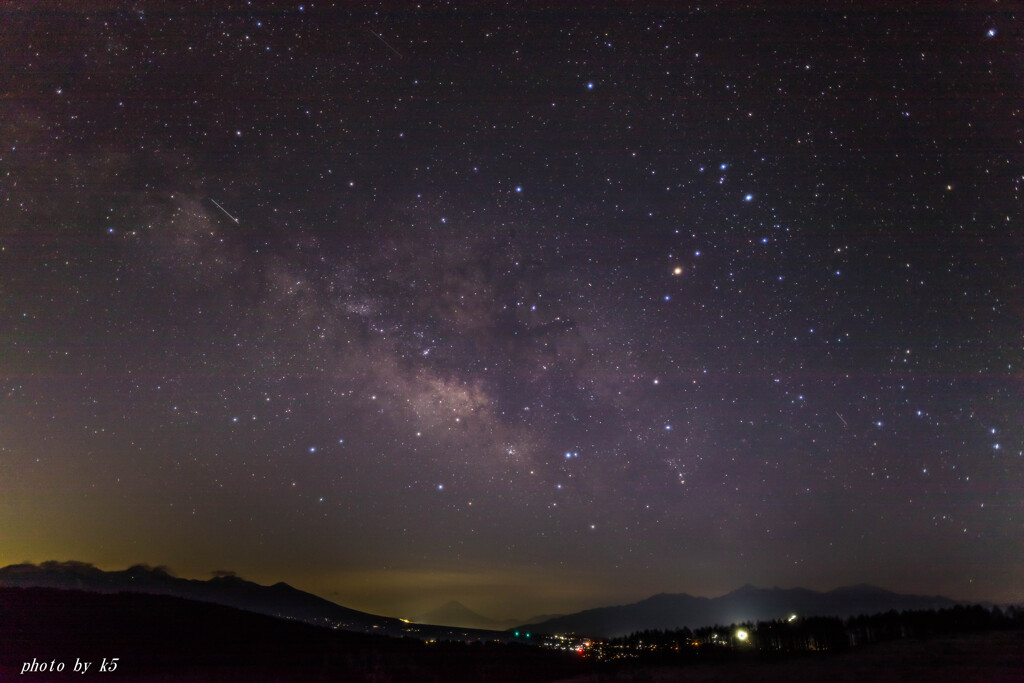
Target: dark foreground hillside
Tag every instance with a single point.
(992, 657)
(162, 638)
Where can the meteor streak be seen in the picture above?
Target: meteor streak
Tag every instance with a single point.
(386, 43)
(224, 210)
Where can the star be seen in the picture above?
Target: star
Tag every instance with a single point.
(478, 300)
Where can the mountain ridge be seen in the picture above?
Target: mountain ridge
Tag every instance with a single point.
(664, 611)
(669, 611)
(454, 613)
(227, 589)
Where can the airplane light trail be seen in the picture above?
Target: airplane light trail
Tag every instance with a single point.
(224, 210)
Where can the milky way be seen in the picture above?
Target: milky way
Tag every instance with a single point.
(538, 309)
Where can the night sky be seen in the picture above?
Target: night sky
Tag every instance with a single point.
(537, 307)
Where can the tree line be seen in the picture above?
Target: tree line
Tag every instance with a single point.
(810, 634)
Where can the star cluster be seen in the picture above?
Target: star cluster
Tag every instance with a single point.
(536, 308)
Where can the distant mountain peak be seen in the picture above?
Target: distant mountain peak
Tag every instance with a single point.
(67, 566)
(228, 589)
(454, 613)
(661, 596)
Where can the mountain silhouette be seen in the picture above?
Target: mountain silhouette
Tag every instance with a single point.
(674, 611)
(225, 588)
(454, 613)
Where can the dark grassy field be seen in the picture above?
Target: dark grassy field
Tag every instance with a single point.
(161, 638)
